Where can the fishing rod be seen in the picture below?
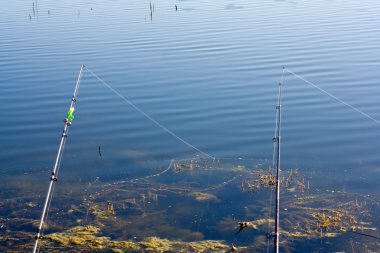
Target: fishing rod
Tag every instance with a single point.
(53, 178)
(277, 140)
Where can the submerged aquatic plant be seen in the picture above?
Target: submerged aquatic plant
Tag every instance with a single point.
(177, 211)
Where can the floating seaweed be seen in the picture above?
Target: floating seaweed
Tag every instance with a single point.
(87, 238)
(291, 180)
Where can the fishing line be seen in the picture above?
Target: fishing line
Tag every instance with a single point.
(147, 116)
(97, 194)
(238, 158)
(364, 234)
(334, 97)
(146, 177)
(221, 185)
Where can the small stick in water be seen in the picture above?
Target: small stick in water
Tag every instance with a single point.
(100, 153)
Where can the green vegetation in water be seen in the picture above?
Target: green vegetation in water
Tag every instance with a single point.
(86, 237)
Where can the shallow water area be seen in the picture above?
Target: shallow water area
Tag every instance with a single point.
(197, 205)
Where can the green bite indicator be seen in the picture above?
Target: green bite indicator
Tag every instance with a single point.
(70, 115)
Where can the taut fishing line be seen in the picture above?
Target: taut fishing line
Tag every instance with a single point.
(333, 96)
(147, 116)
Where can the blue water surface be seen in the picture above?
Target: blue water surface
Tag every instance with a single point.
(208, 72)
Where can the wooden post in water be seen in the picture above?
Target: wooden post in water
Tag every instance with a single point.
(54, 174)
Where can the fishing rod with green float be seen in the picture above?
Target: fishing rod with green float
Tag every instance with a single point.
(53, 178)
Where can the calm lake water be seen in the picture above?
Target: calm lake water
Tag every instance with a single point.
(207, 71)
